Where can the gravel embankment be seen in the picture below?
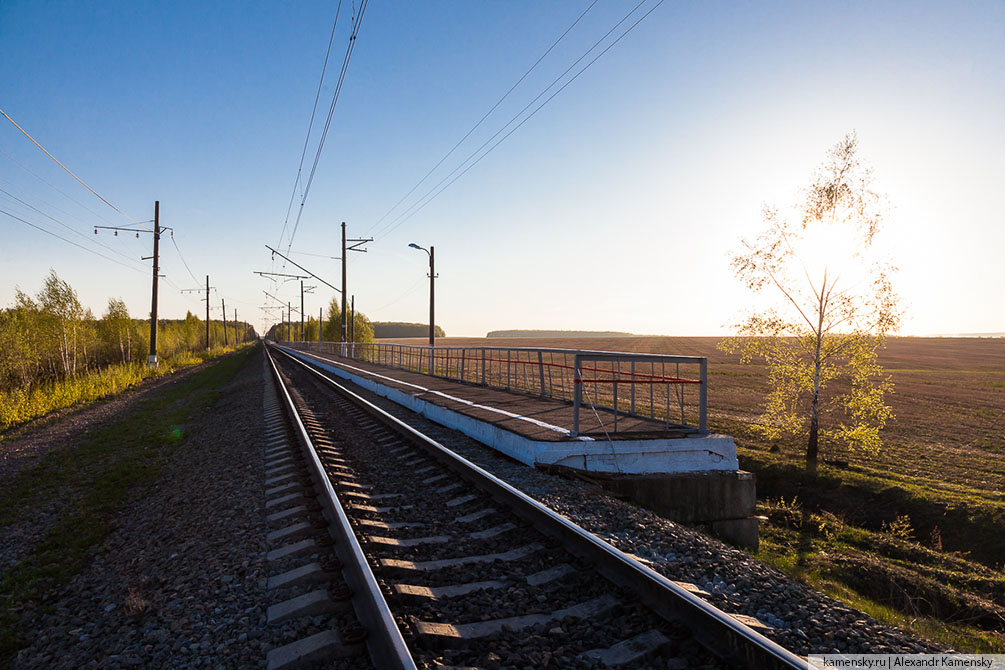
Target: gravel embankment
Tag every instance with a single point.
(181, 581)
(799, 618)
(24, 447)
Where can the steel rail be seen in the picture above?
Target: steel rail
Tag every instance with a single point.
(384, 641)
(712, 627)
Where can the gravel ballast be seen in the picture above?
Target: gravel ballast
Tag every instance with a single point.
(181, 581)
(794, 615)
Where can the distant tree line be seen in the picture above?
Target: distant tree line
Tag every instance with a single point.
(558, 333)
(389, 329)
(51, 337)
(360, 329)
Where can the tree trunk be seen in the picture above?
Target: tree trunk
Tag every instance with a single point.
(811, 446)
(812, 443)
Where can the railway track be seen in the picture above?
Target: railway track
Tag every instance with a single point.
(445, 565)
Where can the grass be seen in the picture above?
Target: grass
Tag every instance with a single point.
(93, 481)
(19, 406)
(888, 575)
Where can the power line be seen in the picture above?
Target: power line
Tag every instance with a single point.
(65, 225)
(304, 269)
(358, 20)
(310, 126)
(485, 116)
(433, 193)
(183, 260)
(79, 180)
(79, 246)
(55, 188)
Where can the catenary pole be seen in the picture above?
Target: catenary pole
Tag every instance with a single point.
(207, 312)
(223, 307)
(152, 360)
(343, 282)
(432, 294)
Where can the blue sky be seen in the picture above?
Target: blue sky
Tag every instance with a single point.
(617, 206)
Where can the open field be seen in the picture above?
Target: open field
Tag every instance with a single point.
(914, 534)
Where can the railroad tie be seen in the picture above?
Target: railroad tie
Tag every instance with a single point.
(475, 516)
(299, 510)
(631, 650)
(296, 531)
(311, 603)
(388, 526)
(454, 590)
(272, 481)
(311, 573)
(314, 649)
(412, 542)
(292, 549)
(426, 566)
(462, 500)
(479, 629)
(283, 500)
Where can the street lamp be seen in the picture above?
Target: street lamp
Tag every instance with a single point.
(432, 276)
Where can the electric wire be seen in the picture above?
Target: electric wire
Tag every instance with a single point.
(410, 290)
(67, 226)
(68, 171)
(433, 193)
(80, 246)
(357, 22)
(485, 116)
(58, 190)
(184, 262)
(310, 126)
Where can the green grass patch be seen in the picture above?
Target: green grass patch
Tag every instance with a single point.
(23, 404)
(944, 597)
(92, 482)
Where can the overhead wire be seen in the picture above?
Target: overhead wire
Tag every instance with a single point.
(68, 171)
(57, 189)
(357, 22)
(184, 262)
(433, 193)
(80, 246)
(310, 126)
(65, 225)
(485, 116)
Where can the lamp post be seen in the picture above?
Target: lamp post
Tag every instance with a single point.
(432, 277)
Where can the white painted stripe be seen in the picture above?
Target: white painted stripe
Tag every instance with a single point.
(469, 403)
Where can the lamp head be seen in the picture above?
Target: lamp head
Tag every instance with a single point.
(414, 245)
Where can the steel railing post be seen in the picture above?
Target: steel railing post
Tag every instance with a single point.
(540, 368)
(617, 375)
(577, 395)
(633, 387)
(703, 397)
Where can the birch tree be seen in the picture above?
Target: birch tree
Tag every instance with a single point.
(832, 305)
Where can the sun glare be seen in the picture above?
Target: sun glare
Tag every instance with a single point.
(832, 249)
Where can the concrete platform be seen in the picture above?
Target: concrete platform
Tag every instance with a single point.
(690, 478)
(536, 430)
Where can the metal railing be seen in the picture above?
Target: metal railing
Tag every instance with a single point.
(671, 390)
